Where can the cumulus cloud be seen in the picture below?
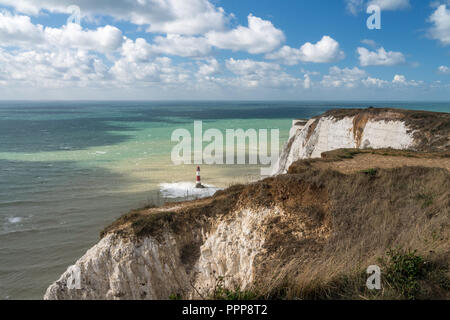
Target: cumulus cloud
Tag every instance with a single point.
(208, 69)
(253, 74)
(259, 37)
(175, 45)
(374, 82)
(380, 57)
(250, 67)
(369, 42)
(324, 51)
(346, 77)
(357, 6)
(441, 25)
(390, 4)
(18, 30)
(103, 39)
(165, 16)
(158, 71)
(137, 51)
(52, 69)
(400, 80)
(183, 46)
(444, 70)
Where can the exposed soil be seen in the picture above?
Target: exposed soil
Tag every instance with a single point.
(368, 161)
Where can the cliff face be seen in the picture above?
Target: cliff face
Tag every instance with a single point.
(282, 235)
(187, 263)
(369, 128)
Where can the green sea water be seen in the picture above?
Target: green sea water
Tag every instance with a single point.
(68, 169)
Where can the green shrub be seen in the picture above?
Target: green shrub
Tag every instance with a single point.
(222, 293)
(175, 297)
(370, 172)
(403, 271)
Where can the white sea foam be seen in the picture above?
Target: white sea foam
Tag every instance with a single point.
(186, 190)
(14, 220)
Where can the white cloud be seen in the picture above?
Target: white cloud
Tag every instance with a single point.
(390, 4)
(374, 82)
(159, 71)
(370, 43)
(183, 46)
(441, 29)
(324, 51)
(250, 67)
(354, 6)
(307, 83)
(254, 74)
(176, 45)
(137, 51)
(357, 6)
(444, 70)
(18, 30)
(346, 77)
(400, 80)
(259, 37)
(212, 67)
(166, 16)
(103, 39)
(380, 57)
(52, 69)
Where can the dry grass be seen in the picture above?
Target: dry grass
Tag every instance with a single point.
(367, 217)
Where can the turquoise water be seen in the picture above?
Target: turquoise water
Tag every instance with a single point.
(67, 169)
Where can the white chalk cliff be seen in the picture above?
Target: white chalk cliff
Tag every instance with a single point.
(151, 268)
(311, 139)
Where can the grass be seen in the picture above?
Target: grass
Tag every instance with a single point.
(426, 199)
(365, 218)
(222, 293)
(403, 270)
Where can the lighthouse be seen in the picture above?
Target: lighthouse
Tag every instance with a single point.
(198, 183)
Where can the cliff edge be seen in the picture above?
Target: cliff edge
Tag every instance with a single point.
(365, 128)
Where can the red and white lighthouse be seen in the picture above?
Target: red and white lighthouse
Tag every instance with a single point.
(198, 183)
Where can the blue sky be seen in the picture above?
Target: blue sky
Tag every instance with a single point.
(224, 49)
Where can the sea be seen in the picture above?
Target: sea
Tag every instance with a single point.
(68, 169)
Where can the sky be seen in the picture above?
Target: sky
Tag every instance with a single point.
(224, 50)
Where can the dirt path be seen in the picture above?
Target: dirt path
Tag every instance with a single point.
(367, 161)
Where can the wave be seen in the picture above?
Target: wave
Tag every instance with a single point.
(186, 190)
(14, 220)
